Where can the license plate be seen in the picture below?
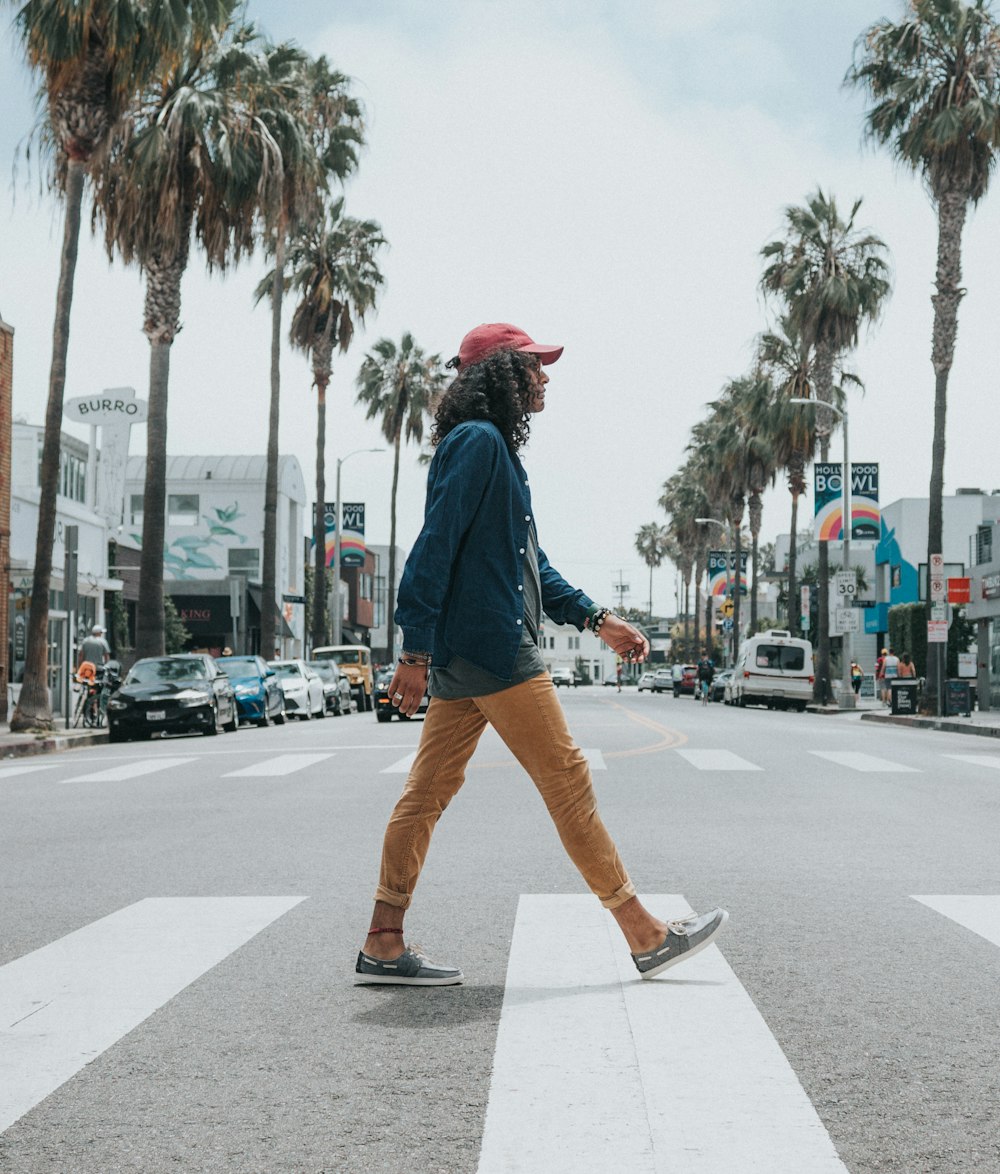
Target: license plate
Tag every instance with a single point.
(156, 715)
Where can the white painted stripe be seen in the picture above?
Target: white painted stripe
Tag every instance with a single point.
(990, 760)
(129, 770)
(866, 763)
(596, 759)
(597, 1070)
(717, 760)
(401, 767)
(65, 1004)
(10, 772)
(980, 914)
(283, 764)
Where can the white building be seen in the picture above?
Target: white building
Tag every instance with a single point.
(214, 542)
(562, 645)
(74, 507)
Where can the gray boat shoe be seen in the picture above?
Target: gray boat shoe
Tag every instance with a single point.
(685, 937)
(411, 968)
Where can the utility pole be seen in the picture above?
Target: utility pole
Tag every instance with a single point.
(622, 588)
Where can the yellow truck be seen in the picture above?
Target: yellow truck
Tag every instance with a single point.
(356, 664)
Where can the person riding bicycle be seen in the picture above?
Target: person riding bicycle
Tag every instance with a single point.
(706, 671)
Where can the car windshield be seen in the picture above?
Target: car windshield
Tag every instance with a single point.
(240, 666)
(341, 656)
(150, 672)
(287, 670)
(784, 657)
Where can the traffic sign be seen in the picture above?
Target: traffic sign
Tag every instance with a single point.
(727, 625)
(936, 577)
(846, 586)
(727, 608)
(937, 631)
(939, 611)
(847, 619)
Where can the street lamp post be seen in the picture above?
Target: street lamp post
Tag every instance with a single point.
(727, 531)
(848, 656)
(337, 523)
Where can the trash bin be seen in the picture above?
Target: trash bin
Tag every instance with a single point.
(958, 698)
(903, 696)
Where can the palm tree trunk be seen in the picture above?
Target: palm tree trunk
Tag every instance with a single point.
(390, 617)
(793, 584)
(269, 568)
(822, 690)
(161, 321)
(698, 571)
(150, 618)
(318, 636)
(687, 605)
(33, 710)
(756, 510)
(952, 211)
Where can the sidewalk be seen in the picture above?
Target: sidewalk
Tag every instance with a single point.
(23, 745)
(986, 725)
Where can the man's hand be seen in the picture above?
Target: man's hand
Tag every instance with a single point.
(627, 641)
(408, 686)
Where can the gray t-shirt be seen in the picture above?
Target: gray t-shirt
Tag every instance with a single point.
(94, 649)
(461, 678)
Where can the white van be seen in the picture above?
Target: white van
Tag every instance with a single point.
(773, 669)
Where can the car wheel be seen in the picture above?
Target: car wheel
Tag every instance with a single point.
(382, 716)
(279, 717)
(233, 724)
(115, 735)
(321, 712)
(263, 722)
(213, 727)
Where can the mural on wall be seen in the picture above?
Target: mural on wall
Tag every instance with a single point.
(187, 553)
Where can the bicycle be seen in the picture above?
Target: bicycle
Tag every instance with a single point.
(703, 688)
(88, 708)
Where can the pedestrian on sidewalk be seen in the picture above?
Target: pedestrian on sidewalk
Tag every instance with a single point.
(890, 671)
(470, 605)
(857, 676)
(906, 666)
(94, 647)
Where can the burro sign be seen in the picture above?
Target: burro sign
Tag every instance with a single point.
(116, 405)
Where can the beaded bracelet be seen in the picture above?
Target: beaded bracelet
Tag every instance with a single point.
(598, 618)
(411, 658)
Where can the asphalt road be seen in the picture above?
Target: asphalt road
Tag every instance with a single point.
(263, 1055)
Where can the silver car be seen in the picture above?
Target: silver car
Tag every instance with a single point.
(302, 687)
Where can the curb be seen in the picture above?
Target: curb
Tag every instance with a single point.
(933, 723)
(50, 744)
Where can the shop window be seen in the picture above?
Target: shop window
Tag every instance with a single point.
(182, 509)
(244, 560)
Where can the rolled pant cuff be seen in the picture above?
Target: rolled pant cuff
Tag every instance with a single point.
(399, 900)
(625, 893)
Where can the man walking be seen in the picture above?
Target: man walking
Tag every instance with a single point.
(470, 606)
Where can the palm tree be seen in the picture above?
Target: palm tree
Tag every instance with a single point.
(650, 542)
(934, 84)
(194, 157)
(398, 384)
(90, 56)
(317, 125)
(788, 362)
(333, 269)
(833, 279)
(684, 501)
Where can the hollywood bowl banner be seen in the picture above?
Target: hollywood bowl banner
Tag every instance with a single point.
(866, 517)
(717, 571)
(828, 522)
(352, 544)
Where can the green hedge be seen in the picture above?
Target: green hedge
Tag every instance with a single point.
(908, 633)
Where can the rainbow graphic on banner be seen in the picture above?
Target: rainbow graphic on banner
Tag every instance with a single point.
(352, 544)
(866, 517)
(717, 572)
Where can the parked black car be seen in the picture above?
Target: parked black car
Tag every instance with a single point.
(384, 709)
(259, 697)
(185, 693)
(336, 686)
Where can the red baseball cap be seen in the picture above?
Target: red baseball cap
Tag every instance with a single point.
(497, 336)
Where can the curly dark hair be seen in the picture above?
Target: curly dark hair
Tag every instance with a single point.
(498, 388)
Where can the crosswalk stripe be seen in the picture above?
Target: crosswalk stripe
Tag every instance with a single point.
(595, 1069)
(10, 772)
(129, 770)
(981, 914)
(866, 763)
(401, 767)
(283, 764)
(717, 760)
(63, 1005)
(991, 760)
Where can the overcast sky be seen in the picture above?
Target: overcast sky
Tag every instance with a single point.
(602, 173)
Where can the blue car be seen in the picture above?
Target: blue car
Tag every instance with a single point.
(259, 698)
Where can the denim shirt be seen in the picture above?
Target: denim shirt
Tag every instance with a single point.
(462, 591)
